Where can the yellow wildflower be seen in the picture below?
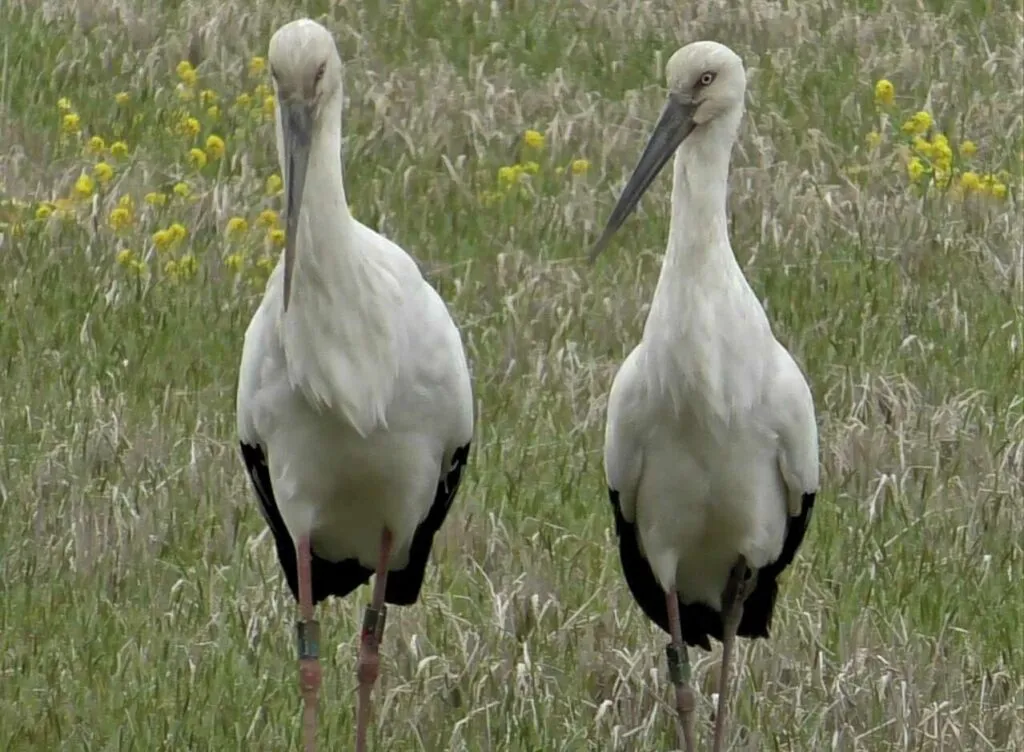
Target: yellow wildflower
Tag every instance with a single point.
(171, 270)
(885, 92)
(261, 91)
(267, 218)
(237, 226)
(178, 231)
(915, 169)
(156, 199)
(44, 211)
(919, 123)
(580, 167)
(125, 257)
(243, 100)
(119, 149)
(534, 139)
(998, 189)
(182, 190)
(265, 264)
(968, 149)
(257, 65)
(508, 175)
(215, 147)
(274, 185)
(213, 112)
(71, 123)
(162, 239)
(941, 151)
(941, 176)
(103, 172)
(234, 262)
(119, 218)
(64, 104)
(189, 126)
(197, 158)
(531, 168)
(96, 145)
(188, 266)
(122, 98)
(207, 97)
(921, 146)
(84, 186)
(268, 107)
(276, 237)
(970, 181)
(187, 73)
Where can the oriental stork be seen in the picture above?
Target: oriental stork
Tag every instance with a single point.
(711, 444)
(355, 408)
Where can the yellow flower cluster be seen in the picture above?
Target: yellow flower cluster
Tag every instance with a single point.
(930, 159)
(238, 227)
(510, 177)
(127, 259)
(138, 235)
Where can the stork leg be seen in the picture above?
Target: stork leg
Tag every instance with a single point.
(309, 645)
(373, 632)
(679, 673)
(739, 585)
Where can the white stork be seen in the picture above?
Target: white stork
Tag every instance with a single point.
(355, 409)
(711, 446)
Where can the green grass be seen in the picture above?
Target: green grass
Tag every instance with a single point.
(141, 604)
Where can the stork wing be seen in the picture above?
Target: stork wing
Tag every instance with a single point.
(792, 417)
(329, 577)
(623, 453)
(403, 585)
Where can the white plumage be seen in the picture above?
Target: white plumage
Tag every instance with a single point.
(355, 409)
(711, 445)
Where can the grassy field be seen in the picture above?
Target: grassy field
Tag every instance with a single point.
(141, 604)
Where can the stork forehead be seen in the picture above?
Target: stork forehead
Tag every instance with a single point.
(298, 49)
(688, 63)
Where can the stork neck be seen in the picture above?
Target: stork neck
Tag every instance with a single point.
(699, 261)
(699, 232)
(327, 260)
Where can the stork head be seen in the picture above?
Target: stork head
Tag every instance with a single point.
(706, 84)
(306, 69)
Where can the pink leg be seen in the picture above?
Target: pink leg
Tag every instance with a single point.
(309, 643)
(679, 673)
(739, 585)
(373, 632)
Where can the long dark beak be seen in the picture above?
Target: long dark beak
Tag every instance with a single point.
(674, 125)
(297, 124)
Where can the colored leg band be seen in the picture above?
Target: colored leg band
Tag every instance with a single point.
(308, 635)
(678, 664)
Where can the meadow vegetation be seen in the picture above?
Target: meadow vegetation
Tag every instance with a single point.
(875, 206)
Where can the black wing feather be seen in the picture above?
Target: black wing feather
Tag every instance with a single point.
(329, 577)
(339, 578)
(403, 585)
(700, 622)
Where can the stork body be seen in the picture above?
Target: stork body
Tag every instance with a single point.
(355, 409)
(711, 445)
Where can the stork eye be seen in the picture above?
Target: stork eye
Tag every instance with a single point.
(706, 79)
(320, 72)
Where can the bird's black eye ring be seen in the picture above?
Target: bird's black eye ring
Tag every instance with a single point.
(320, 71)
(706, 79)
